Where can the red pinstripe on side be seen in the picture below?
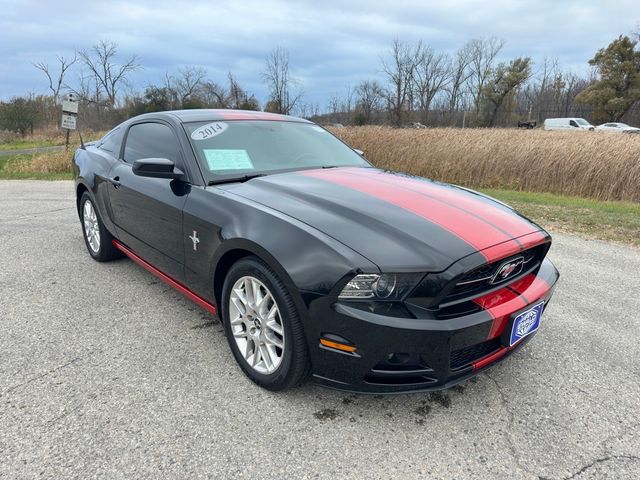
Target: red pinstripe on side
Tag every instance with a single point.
(467, 227)
(166, 278)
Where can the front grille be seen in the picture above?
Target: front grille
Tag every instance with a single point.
(478, 280)
(466, 356)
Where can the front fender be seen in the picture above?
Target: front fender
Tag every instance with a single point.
(306, 259)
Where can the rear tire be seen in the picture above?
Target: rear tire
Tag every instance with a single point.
(263, 326)
(97, 238)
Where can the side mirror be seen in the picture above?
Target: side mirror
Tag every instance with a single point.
(359, 152)
(156, 168)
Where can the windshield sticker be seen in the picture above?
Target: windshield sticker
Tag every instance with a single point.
(209, 130)
(219, 159)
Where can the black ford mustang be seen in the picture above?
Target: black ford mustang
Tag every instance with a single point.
(316, 262)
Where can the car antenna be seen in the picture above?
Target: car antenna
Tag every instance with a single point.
(81, 142)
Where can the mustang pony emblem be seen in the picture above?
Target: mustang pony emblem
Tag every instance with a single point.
(194, 238)
(508, 269)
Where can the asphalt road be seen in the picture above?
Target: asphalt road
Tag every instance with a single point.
(105, 372)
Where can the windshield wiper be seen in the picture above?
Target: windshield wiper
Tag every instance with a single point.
(240, 179)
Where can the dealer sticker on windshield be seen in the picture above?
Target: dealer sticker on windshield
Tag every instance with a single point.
(526, 323)
(209, 130)
(227, 159)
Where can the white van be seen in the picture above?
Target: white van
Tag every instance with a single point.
(567, 124)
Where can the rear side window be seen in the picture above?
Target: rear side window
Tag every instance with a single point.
(151, 140)
(112, 141)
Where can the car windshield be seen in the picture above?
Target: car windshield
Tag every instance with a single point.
(227, 149)
(582, 121)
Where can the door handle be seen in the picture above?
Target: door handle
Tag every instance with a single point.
(115, 181)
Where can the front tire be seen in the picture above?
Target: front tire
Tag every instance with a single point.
(97, 238)
(263, 326)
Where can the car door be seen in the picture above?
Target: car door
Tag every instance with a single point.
(148, 211)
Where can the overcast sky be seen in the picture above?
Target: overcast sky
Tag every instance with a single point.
(332, 43)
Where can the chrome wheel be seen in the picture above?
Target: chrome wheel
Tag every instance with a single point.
(91, 226)
(256, 325)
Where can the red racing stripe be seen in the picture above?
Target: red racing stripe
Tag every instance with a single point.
(507, 222)
(532, 239)
(531, 287)
(500, 305)
(471, 229)
(506, 249)
(489, 359)
(242, 115)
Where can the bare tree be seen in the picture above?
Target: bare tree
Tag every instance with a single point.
(214, 95)
(460, 74)
(432, 73)
(347, 106)
(88, 89)
(188, 81)
(56, 80)
(538, 95)
(100, 61)
(277, 77)
(238, 96)
(483, 56)
(369, 98)
(399, 70)
(334, 107)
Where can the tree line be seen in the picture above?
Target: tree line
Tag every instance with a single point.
(470, 87)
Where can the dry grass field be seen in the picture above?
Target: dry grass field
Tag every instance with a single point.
(518, 167)
(41, 163)
(585, 164)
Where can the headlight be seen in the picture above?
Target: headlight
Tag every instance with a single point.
(384, 286)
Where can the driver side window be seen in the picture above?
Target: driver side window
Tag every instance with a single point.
(152, 140)
(573, 123)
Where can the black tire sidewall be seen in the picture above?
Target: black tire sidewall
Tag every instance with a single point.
(106, 251)
(287, 374)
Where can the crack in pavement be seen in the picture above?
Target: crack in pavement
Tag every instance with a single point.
(510, 422)
(600, 460)
(49, 372)
(55, 420)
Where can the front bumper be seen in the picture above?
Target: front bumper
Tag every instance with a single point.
(396, 355)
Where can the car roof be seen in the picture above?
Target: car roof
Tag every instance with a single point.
(212, 115)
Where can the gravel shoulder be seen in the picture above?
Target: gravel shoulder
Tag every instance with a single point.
(106, 372)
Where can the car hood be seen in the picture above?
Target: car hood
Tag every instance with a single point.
(399, 222)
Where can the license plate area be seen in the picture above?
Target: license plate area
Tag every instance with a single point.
(525, 323)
